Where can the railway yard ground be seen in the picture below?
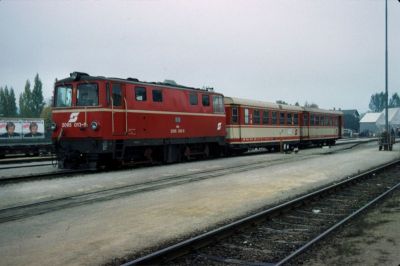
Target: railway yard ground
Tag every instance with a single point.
(109, 217)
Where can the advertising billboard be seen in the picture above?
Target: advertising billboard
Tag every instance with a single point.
(21, 128)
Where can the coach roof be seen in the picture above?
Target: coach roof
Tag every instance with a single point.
(260, 104)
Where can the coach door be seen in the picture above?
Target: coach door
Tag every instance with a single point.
(118, 109)
(304, 126)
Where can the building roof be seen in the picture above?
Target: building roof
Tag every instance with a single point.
(351, 112)
(370, 117)
(393, 115)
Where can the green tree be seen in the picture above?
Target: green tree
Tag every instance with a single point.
(2, 102)
(37, 97)
(25, 101)
(310, 105)
(46, 115)
(281, 102)
(12, 106)
(377, 102)
(394, 101)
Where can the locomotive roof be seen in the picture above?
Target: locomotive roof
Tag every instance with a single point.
(88, 78)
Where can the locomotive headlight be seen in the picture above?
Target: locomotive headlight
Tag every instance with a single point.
(94, 125)
(53, 126)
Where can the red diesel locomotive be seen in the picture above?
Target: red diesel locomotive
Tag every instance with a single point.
(101, 121)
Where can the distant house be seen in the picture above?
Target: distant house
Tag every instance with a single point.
(368, 126)
(393, 117)
(351, 120)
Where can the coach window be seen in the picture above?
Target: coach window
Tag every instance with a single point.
(256, 117)
(305, 118)
(234, 115)
(108, 93)
(289, 119)
(218, 104)
(193, 99)
(281, 118)
(274, 118)
(205, 99)
(157, 95)
(296, 119)
(87, 95)
(116, 94)
(317, 120)
(265, 118)
(246, 116)
(140, 94)
(63, 96)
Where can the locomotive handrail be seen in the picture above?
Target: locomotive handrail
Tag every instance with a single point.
(112, 115)
(126, 117)
(85, 116)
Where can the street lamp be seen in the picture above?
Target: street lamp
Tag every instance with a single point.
(386, 76)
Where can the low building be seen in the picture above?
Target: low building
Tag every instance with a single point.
(393, 119)
(351, 120)
(368, 126)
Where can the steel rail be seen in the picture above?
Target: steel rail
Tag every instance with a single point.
(334, 227)
(24, 166)
(39, 176)
(202, 240)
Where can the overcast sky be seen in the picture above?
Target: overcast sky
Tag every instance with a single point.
(330, 52)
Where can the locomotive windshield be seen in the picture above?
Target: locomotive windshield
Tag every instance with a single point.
(63, 96)
(87, 95)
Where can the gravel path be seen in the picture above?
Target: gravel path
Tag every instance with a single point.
(96, 233)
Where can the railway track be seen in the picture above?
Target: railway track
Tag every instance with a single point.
(4, 180)
(16, 160)
(37, 208)
(18, 166)
(69, 173)
(278, 235)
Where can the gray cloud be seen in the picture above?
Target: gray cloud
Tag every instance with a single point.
(328, 52)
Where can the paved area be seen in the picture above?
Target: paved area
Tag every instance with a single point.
(96, 233)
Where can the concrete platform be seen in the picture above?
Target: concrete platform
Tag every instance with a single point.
(96, 233)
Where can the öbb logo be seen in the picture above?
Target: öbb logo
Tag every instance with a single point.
(73, 117)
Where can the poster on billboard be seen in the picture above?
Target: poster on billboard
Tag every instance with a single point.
(11, 129)
(21, 129)
(33, 128)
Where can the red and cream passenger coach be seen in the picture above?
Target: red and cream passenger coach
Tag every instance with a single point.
(98, 120)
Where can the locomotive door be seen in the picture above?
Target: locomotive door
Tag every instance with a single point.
(118, 107)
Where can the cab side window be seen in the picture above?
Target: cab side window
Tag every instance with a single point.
(140, 94)
(205, 99)
(157, 96)
(193, 99)
(116, 94)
